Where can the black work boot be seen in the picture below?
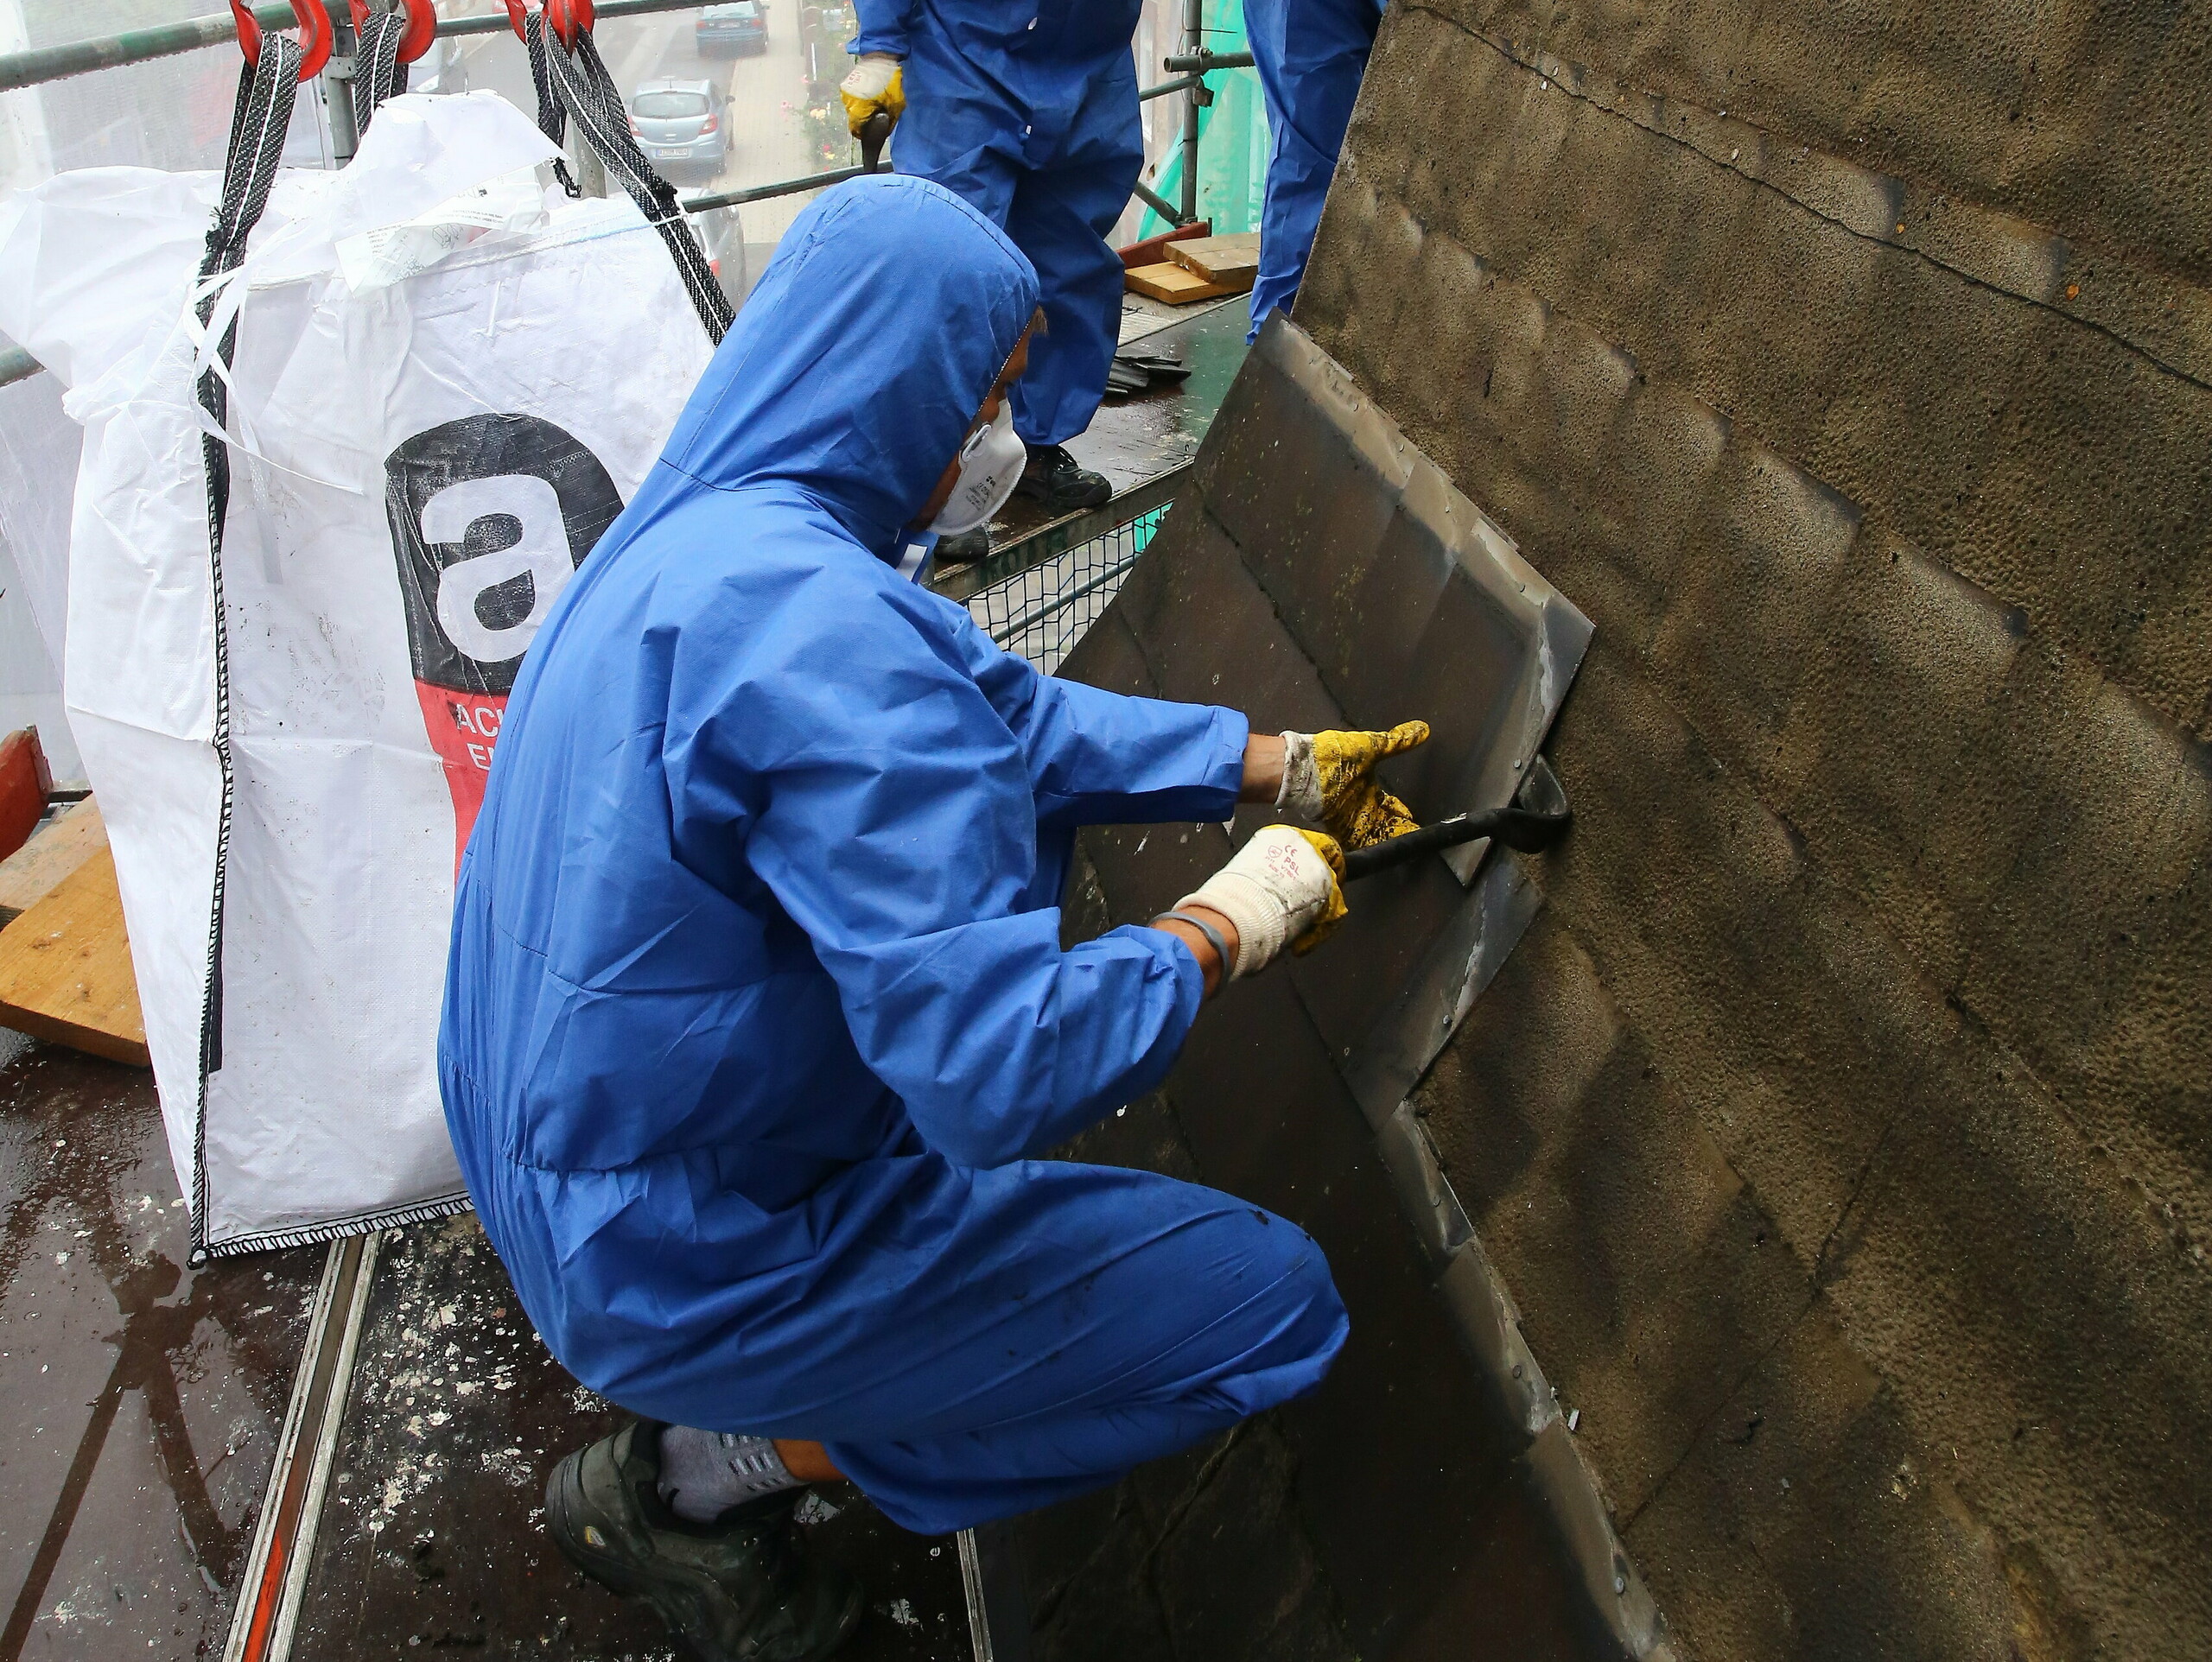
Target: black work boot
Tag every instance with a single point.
(742, 1589)
(964, 550)
(1055, 479)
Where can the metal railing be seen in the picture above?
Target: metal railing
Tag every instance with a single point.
(40, 65)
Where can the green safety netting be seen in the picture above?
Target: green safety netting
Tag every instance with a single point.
(1232, 138)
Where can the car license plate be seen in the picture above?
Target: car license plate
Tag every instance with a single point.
(676, 150)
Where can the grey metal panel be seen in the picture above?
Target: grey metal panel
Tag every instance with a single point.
(1461, 960)
(1410, 599)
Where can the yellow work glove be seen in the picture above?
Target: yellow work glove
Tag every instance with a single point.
(1283, 887)
(876, 83)
(1335, 911)
(1329, 777)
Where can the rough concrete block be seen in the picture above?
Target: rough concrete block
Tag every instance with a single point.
(1648, 1277)
(2042, 1338)
(1987, 105)
(2013, 442)
(2088, 956)
(1749, 599)
(1899, 754)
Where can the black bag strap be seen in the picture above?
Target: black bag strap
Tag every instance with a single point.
(587, 92)
(378, 73)
(552, 117)
(260, 121)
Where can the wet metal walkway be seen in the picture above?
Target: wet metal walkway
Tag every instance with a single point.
(147, 1396)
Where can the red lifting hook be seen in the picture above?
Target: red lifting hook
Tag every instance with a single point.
(422, 26)
(315, 35)
(567, 17)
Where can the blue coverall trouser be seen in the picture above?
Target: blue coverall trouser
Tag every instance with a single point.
(1056, 196)
(1311, 56)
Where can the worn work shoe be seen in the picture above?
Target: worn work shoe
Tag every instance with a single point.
(964, 550)
(742, 1589)
(1053, 477)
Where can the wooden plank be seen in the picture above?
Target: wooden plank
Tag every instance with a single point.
(1147, 251)
(1234, 259)
(65, 968)
(56, 848)
(1172, 284)
(25, 784)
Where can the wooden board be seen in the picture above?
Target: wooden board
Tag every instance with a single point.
(25, 784)
(1147, 252)
(56, 848)
(65, 968)
(1173, 285)
(1220, 259)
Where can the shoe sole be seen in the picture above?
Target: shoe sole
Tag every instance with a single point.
(684, 1602)
(1089, 499)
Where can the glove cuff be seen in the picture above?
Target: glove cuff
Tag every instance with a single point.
(1262, 924)
(1301, 781)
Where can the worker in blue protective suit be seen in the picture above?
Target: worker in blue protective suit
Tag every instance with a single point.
(757, 1012)
(1029, 111)
(1311, 56)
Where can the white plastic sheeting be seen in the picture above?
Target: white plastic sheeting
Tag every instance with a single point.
(416, 469)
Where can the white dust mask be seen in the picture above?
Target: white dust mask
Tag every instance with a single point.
(990, 466)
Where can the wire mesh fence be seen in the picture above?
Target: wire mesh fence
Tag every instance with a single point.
(1042, 612)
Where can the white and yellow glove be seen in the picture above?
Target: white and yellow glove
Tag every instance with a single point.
(877, 83)
(1329, 777)
(1281, 886)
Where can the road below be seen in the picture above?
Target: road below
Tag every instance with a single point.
(769, 139)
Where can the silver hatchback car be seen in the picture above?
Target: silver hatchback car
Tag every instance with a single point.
(679, 124)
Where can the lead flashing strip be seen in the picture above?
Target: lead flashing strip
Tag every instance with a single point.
(283, 1541)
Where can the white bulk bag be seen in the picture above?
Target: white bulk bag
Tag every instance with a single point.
(446, 384)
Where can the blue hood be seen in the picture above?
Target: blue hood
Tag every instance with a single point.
(860, 361)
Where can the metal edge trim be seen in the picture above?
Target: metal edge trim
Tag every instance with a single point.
(306, 1416)
(971, 1583)
(337, 1396)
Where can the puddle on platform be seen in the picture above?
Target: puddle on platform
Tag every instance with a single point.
(146, 1396)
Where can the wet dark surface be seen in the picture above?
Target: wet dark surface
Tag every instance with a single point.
(1132, 439)
(431, 1535)
(147, 1398)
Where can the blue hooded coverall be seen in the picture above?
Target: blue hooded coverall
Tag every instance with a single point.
(1029, 109)
(756, 1007)
(1311, 56)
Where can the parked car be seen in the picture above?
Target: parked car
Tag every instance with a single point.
(678, 124)
(739, 26)
(722, 234)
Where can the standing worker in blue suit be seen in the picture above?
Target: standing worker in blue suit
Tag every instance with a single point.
(1029, 111)
(757, 1014)
(1311, 56)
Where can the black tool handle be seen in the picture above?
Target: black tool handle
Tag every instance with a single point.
(875, 132)
(1516, 828)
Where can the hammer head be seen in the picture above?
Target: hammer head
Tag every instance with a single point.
(874, 134)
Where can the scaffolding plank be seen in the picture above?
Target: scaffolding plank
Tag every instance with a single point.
(65, 968)
(56, 849)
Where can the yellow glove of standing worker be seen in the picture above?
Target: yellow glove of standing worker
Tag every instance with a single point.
(877, 82)
(1329, 777)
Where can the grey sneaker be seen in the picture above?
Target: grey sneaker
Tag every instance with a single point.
(740, 1590)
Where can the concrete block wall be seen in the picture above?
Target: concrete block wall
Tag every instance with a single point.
(1843, 1127)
